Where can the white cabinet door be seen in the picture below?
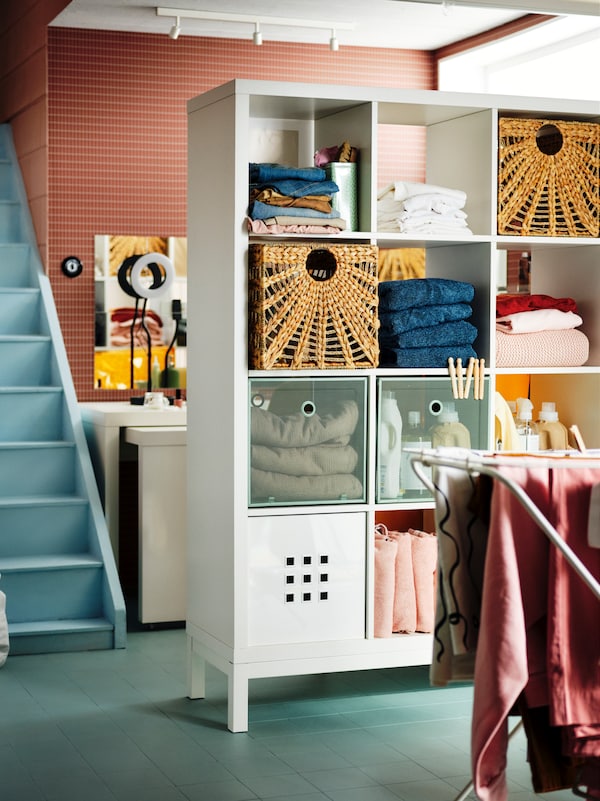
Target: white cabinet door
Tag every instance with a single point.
(306, 578)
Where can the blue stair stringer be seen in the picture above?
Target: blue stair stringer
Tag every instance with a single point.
(57, 567)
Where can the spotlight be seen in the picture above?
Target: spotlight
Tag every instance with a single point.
(333, 42)
(176, 29)
(257, 36)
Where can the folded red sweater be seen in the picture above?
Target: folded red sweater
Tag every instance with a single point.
(511, 304)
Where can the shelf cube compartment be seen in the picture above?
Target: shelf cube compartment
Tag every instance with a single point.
(312, 305)
(429, 401)
(306, 578)
(307, 441)
(548, 177)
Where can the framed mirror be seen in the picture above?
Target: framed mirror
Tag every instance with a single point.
(130, 334)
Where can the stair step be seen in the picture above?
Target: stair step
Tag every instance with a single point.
(11, 224)
(42, 526)
(28, 415)
(60, 635)
(15, 265)
(7, 181)
(58, 591)
(60, 626)
(26, 361)
(19, 310)
(37, 468)
(28, 564)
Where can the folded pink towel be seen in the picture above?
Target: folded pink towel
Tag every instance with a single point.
(405, 601)
(567, 348)
(424, 565)
(385, 579)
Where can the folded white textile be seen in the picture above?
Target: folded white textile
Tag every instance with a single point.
(405, 189)
(538, 320)
(457, 218)
(433, 201)
(435, 227)
(386, 190)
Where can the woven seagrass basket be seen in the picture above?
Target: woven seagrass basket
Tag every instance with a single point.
(548, 178)
(312, 305)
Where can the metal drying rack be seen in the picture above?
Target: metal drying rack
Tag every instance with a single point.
(488, 464)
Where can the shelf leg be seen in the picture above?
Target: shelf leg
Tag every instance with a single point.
(237, 700)
(196, 671)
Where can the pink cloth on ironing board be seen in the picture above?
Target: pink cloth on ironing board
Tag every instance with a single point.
(529, 590)
(385, 584)
(405, 602)
(424, 561)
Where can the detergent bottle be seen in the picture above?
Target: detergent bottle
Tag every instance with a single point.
(449, 432)
(527, 431)
(553, 434)
(389, 446)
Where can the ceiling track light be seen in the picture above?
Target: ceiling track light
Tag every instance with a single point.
(282, 22)
(176, 29)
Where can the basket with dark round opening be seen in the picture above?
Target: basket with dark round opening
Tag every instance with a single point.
(548, 177)
(312, 305)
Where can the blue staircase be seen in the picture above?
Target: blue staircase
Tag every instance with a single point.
(56, 563)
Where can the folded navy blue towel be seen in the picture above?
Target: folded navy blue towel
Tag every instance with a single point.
(409, 292)
(456, 332)
(298, 188)
(422, 316)
(261, 173)
(262, 211)
(436, 356)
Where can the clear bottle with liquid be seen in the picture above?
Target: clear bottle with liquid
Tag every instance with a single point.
(389, 446)
(553, 434)
(527, 430)
(170, 375)
(155, 374)
(414, 437)
(449, 432)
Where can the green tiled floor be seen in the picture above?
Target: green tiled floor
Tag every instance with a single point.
(109, 725)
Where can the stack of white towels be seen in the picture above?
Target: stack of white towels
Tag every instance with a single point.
(418, 208)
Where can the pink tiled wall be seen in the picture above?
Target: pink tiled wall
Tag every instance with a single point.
(117, 140)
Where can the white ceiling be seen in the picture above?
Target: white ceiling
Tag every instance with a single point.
(424, 25)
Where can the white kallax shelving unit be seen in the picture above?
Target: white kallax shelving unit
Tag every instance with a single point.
(238, 552)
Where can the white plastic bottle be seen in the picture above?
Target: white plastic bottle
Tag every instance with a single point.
(449, 432)
(527, 430)
(416, 438)
(389, 446)
(553, 434)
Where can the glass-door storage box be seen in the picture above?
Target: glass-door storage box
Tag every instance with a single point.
(417, 413)
(307, 441)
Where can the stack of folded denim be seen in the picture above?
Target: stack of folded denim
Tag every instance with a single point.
(424, 322)
(292, 196)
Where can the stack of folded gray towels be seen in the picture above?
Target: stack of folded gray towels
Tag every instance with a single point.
(424, 322)
(295, 457)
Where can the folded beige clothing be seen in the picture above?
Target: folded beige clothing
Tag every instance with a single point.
(284, 488)
(299, 431)
(261, 227)
(315, 460)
